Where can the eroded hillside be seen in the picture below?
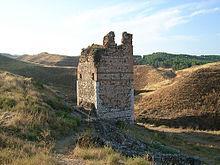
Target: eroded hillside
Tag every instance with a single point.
(191, 99)
(148, 78)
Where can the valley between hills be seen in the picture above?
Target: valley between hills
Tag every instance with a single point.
(177, 111)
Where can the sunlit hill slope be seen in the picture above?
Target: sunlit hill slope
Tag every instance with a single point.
(62, 79)
(51, 59)
(31, 117)
(191, 99)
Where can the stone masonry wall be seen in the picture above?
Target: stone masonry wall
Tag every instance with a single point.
(86, 84)
(110, 88)
(115, 77)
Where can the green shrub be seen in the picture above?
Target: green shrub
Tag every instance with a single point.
(7, 103)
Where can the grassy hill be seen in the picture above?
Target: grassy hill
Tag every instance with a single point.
(191, 99)
(163, 93)
(146, 77)
(33, 113)
(61, 79)
(31, 117)
(51, 59)
(48, 59)
(157, 60)
(8, 55)
(177, 61)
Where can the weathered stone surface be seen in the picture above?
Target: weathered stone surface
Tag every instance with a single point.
(105, 78)
(109, 40)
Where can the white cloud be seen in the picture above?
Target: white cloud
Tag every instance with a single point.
(147, 28)
(74, 32)
(100, 21)
(205, 11)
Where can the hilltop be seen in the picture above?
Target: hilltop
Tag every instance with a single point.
(191, 99)
(156, 60)
(61, 79)
(45, 58)
(177, 61)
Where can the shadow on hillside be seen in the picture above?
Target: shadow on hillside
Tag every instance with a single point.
(68, 61)
(194, 143)
(137, 92)
(195, 134)
(204, 122)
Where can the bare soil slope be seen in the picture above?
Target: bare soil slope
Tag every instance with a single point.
(146, 76)
(191, 99)
(51, 59)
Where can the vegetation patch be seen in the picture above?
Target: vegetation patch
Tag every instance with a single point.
(177, 61)
(32, 117)
(60, 78)
(106, 155)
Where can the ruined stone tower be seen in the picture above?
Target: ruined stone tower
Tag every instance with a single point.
(105, 78)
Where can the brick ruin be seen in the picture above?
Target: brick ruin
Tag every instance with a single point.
(105, 78)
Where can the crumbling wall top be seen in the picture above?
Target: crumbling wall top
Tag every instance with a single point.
(94, 52)
(126, 38)
(109, 40)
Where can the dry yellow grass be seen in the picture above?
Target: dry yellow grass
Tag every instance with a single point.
(62, 79)
(192, 97)
(31, 117)
(106, 155)
(18, 157)
(145, 77)
(51, 59)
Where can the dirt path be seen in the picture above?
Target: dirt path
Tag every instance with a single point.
(68, 160)
(63, 150)
(65, 144)
(108, 134)
(64, 147)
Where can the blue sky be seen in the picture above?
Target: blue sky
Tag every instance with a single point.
(66, 26)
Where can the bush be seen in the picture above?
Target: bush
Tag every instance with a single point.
(7, 103)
